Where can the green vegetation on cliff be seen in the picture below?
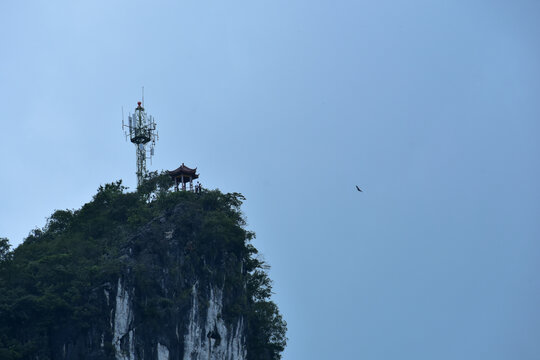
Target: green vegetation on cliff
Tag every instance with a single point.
(48, 284)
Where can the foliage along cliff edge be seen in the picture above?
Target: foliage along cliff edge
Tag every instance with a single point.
(151, 274)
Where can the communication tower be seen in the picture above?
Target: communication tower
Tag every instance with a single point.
(141, 131)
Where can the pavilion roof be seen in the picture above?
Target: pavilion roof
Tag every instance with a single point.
(185, 171)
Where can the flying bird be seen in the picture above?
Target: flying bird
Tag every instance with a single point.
(357, 188)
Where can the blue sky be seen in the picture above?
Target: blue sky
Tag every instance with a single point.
(430, 106)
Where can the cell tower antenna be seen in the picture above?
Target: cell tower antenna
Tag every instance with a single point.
(141, 129)
(143, 96)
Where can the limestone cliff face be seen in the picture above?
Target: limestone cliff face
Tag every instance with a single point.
(222, 341)
(153, 311)
(204, 335)
(147, 275)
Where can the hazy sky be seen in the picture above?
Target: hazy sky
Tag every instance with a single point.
(432, 107)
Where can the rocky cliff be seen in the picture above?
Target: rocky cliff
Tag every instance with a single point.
(150, 275)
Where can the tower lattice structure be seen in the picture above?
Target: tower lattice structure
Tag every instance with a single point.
(141, 130)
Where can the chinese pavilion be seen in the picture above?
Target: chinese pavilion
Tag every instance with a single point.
(183, 175)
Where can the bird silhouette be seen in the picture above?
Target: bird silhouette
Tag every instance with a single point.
(357, 188)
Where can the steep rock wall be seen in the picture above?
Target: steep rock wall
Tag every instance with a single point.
(148, 275)
(161, 307)
(204, 336)
(209, 337)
